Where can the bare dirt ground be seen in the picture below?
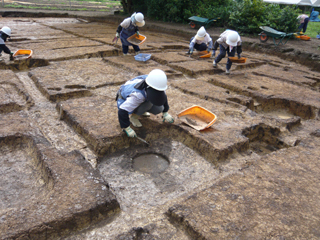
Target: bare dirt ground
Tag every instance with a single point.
(69, 172)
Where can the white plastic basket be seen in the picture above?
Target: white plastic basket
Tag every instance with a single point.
(142, 57)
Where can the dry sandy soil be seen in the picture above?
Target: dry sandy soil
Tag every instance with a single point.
(69, 172)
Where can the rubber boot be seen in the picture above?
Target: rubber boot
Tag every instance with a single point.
(134, 119)
(146, 114)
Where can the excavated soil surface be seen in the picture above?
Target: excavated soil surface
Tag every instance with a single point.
(69, 172)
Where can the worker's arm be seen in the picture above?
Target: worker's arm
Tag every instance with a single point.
(5, 49)
(123, 116)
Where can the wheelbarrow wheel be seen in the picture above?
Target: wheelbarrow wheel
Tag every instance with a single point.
(192, 24)
(263, 37)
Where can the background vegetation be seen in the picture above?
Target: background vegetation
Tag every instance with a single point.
(245, 16)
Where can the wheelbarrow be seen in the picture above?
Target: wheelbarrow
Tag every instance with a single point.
(270, 32)
(206, 22)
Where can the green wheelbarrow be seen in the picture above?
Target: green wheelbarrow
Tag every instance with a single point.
(206, 22)
(276, 35)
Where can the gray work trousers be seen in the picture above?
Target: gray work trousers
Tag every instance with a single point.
(148, 107)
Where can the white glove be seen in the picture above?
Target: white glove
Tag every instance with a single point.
(167, 117)
(130, 132)
(117, 35)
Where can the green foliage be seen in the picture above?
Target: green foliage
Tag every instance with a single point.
(247, 15)
(282, 19)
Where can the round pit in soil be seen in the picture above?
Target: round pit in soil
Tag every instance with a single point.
(150, 163)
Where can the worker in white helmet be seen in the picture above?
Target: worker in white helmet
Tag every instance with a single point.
(201, 41)
(5, 33)
(229, 42)
(140, 96)
(127, 28)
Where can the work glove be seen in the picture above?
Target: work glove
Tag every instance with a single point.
(213, 53)
(11, 56)
(137, 33)
(117, 35)
(239, 56)
(130, 132)
(167, 117)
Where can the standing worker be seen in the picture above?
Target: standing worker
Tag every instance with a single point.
(5, 33)
(304, 19)
(127, 28)
(201, 41)
(140, 96)
(228, 42)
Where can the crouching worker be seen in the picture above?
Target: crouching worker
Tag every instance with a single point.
(140, 96)
(201, 41)
(304, 19)
(127, 28)
(228, 42)
(5, 33)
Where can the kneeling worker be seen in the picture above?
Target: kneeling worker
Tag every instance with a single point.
(140, 96)
(228, 42)
(201, 41)
(5, 33)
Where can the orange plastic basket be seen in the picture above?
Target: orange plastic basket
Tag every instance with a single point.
(304, 37)
(197, 117)
(23, 54)
(137, 40)
(237, 60)
(206, 54)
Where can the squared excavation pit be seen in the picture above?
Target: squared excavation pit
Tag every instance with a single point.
(289, 74)
(170, 57)
(223, 139)
(76, 78)
(52, 50)
(24, 27)
(46, 194)
(208, 91)
(273, 97)
(277, 195)
(13, 96)
(129, 63)
(193, 68)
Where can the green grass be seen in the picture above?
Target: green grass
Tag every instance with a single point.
(313, 29)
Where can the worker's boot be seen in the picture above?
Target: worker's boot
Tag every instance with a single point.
(134, 119)
(214, 64)
(228, 71)
(146, 114)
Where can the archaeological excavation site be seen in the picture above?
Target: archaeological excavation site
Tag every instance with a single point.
(68, 171)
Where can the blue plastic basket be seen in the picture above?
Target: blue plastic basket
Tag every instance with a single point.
(142, 57)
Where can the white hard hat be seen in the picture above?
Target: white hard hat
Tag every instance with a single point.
(139, 19)
(157, 79)
(6, 30)
(232, 38)
(201, 33)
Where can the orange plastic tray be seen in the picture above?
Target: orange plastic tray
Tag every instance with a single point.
(197, 117)
(23, 54)
(137, 40)
(237, 60)
(206, 54)
(304, 37)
